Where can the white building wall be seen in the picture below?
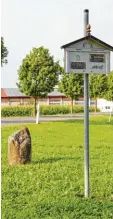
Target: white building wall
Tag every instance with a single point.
(104, 105)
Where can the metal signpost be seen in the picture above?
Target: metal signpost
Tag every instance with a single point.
(87, 55)
(86, 118)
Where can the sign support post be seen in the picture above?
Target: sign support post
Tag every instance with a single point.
(86, 117)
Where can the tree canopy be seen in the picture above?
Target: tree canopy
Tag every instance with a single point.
(4, 52)
(72, 86)
(38, 73)
(97, 86)
(109, 93)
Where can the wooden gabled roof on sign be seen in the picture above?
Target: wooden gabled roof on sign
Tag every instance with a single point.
(88, 38)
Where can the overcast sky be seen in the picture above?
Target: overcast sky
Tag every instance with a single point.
(49, 23)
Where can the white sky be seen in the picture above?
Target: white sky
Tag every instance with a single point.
(49, 23)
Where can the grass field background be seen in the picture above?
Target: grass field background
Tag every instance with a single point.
(52, 186)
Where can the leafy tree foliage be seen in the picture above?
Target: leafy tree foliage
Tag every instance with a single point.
(72, 86)
(97, 86)
(38, 73)
(109, 93)
(4, 52)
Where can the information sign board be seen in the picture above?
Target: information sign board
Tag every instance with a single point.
(80, 61)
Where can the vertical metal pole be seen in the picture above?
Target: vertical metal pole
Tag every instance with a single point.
(86, 118)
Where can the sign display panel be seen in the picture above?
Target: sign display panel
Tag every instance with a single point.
(97, 58)
(78, 65)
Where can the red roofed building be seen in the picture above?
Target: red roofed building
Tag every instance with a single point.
(4, 97)
(12, 96)
(3, 94)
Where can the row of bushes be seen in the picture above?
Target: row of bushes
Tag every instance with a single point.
(54, 110)
(16, 111)
(44, 110)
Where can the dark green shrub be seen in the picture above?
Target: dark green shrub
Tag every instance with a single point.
(78, 109)
(44, 110)
(92, 109)
(54, 110)
(16, 111)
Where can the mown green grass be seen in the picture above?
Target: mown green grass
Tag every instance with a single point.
(52, 186)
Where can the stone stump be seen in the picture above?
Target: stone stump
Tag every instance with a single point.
(19, 147)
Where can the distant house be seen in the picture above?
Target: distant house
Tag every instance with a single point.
(12, 96)
(104, 105)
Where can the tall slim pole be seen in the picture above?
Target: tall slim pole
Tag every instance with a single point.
(86, 118)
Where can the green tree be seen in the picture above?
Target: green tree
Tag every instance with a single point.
(4, 52)
(72, 86)
(97, 86)
(38, 74)
(109, 93)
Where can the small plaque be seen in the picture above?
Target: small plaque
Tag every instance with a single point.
(78, 65)
(97, 58)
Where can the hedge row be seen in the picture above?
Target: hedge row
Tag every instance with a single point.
(16, 111)
(44, 110)
(54, 110)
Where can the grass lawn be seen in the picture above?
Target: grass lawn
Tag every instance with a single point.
(52, 186)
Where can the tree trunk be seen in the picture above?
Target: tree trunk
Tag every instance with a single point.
(71, 106)
(35, 106)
